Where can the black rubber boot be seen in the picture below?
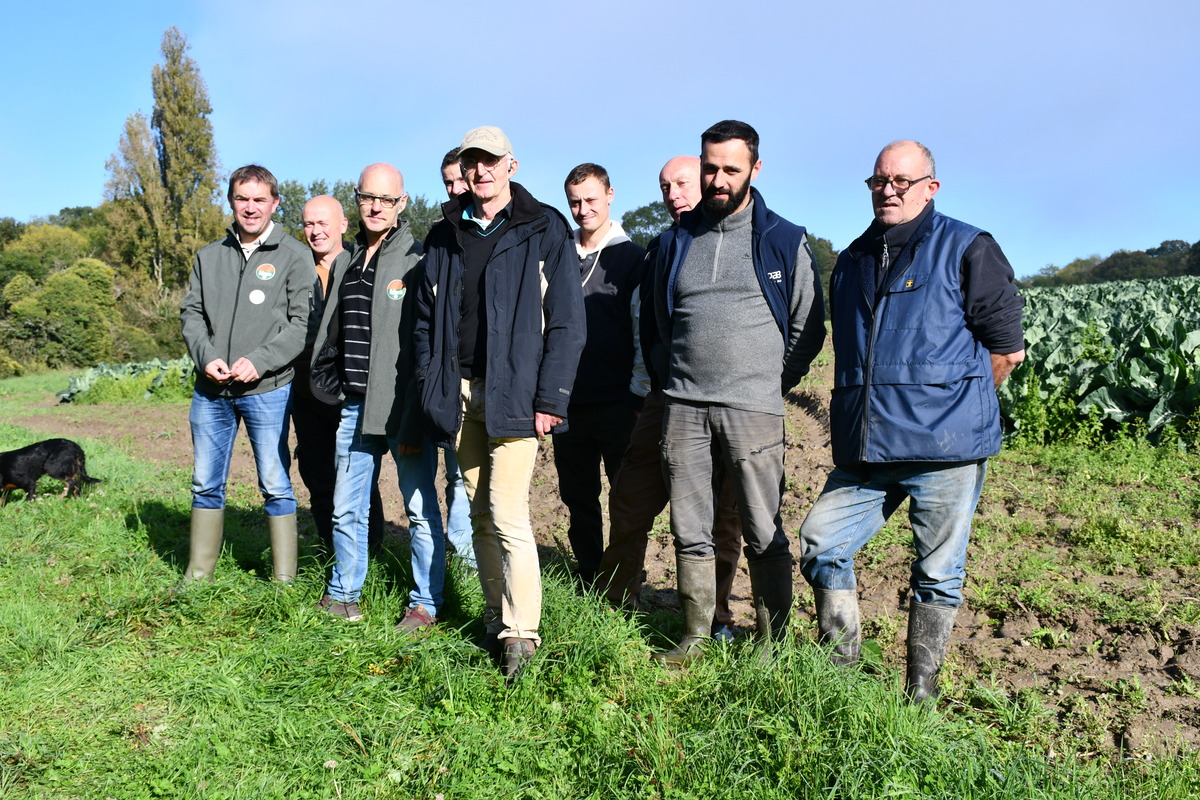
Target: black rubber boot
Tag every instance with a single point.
(929, 629)
(697, 585)
(838, 623)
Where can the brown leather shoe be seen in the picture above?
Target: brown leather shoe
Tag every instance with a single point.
(517, 654)
(350, 612)
(415, 619)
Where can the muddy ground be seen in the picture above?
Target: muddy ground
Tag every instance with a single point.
(1116, 687)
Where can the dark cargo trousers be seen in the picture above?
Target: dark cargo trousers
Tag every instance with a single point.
(316, 425)
(698, 439)
(637, 497)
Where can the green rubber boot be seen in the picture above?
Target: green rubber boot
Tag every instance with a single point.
(771, 585)
(697, 583)
(284, 546)
(208, 528)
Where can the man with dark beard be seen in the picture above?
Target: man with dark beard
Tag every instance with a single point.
(739, 308)
(639, 493)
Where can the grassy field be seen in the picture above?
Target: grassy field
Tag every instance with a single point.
(112, 684)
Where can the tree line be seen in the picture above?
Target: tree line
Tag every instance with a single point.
(1170, 259)
(92, 284)
(104, 283)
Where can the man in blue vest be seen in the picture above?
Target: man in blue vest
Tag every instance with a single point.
(739, 309)
(926, 324)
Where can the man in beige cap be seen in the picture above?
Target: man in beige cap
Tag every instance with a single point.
(499, 333)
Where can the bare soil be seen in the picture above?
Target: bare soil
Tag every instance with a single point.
(1114, 686)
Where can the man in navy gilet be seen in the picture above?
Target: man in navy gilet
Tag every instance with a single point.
(926, 324)
(740, 313)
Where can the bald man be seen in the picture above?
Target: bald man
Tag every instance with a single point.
(639, 493)
(363, 360)
(679, 182)
(315, 422)
(926, 326)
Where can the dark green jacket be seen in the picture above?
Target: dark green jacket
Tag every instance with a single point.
(257, 308)
(390, 406)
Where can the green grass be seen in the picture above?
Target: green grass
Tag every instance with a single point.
(1056, 519)
(114, 685)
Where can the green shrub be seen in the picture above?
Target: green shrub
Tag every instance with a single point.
(9, 367)
(150, 380)
(1104, 357)
(65, 320)
(132, 344)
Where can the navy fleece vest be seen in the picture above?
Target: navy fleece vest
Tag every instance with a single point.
(911, 383)
(776, 243)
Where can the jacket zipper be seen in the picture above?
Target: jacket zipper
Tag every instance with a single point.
(870, 359)
(237, 298)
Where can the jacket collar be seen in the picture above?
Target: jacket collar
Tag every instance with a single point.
(273, 238)
(762, 218)
(399, 237)
(525, 208)
(615, 235)
(898, 236)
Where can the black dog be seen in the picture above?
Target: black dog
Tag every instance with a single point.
(58, 458)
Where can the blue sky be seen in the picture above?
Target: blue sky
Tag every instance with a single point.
(1064, 128)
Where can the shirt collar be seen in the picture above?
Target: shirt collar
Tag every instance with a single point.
(248, 248)
(486, 227)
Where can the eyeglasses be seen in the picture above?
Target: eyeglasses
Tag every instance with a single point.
(365, 199)
(876, 183)
(486, 161)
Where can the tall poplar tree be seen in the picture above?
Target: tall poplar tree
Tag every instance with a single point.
(163, 180)
(138, 219)
(187, 156)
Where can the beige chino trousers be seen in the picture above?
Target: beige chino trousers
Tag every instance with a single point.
(497, 473)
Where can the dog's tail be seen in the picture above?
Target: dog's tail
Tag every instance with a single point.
(89, 479)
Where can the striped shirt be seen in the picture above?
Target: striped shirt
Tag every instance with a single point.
(356, 325)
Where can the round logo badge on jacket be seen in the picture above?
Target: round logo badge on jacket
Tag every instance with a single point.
(265, 272)
(395, 289)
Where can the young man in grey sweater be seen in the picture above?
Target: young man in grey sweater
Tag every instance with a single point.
(740, 313)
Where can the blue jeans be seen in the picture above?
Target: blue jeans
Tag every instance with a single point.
(358, 457)
(855, 504)
(214, 421)
(458, 510)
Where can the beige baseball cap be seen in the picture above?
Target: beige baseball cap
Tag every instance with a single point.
(488, 138)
